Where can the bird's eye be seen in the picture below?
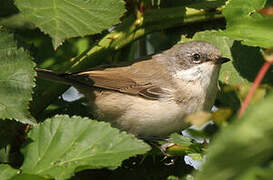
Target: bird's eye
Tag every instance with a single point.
(196, 58)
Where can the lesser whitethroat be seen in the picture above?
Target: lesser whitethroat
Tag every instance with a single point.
(151, 97)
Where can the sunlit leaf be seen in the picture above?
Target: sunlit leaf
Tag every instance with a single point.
(61, 145)
(7, 172)
(246, 24)
(196, 156)
(64, 19)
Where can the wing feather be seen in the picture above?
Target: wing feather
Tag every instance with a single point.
(124, 80)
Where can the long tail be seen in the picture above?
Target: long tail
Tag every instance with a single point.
(64, 78)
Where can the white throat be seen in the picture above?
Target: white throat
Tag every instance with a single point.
(205, 74)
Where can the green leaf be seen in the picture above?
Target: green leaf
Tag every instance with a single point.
(196, 156)
(64, 19)
(244, 23)
(242, 8)
(7, 172)
(183, 145)
(61, 145)
(180, 140)
(245, 144)
(17, 80)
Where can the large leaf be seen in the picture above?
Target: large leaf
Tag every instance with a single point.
(60, 146)
(241, 146)
(64, 19)
(244, 23)
(7, 172)
(17, 80)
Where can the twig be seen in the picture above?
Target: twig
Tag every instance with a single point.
(255, 85)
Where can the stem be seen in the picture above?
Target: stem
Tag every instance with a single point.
(254, 86)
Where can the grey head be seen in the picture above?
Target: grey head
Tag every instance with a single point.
(195, 61)
(190, 54)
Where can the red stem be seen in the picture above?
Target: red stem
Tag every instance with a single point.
(254, 86)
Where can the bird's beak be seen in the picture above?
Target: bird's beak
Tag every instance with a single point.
(222, 60)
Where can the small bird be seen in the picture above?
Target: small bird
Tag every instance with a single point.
(151, 97)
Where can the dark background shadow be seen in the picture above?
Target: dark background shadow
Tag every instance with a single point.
(248, 60)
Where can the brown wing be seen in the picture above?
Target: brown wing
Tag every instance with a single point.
(137, 79)
(118, 82)
(140, 78)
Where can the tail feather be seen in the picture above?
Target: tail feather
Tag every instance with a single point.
(53, 76)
